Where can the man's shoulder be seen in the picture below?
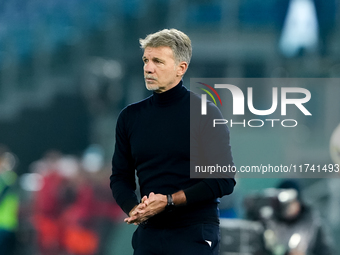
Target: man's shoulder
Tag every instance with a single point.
(194, 97)
(137, 106)
(196, 103)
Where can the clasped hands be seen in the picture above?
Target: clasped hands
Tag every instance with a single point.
(149, 207)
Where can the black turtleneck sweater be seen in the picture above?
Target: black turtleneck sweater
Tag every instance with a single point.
(153, 138)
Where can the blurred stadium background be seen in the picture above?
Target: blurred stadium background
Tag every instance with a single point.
(67, 68)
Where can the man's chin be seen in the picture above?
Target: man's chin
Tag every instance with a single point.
(151, 87)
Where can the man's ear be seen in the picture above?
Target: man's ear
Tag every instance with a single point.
(182, 68)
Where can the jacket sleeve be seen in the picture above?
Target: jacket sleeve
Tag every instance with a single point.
(210, 146)
(122, 180)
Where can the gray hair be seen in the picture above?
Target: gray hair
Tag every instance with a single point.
(178, 41)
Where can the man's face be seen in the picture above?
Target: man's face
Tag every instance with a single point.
(160, 70)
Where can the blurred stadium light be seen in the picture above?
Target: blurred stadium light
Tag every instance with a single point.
(300, 31)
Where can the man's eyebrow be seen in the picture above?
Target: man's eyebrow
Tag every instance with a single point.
(157, 59)
(153, 59)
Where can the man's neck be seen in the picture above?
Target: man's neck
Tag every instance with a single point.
(174, 84)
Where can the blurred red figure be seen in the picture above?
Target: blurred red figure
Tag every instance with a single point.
(88, 219)
(48, 205)
(73, 211)
(79, 237)
(51, 200)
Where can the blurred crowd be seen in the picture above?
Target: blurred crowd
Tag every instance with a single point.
(63, 206)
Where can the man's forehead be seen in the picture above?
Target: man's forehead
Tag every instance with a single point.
(158, 51)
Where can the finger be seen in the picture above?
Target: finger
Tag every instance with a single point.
(144, 198)
(139, 221)
(134, 212)
(127, 220)
(139, 211)
(142, 206)
(130, 221)
(147, 202)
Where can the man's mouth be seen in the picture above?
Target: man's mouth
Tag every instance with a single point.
(150, 78)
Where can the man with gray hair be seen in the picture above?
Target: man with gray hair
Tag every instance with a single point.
(177, 214)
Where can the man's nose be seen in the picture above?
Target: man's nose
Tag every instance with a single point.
(148, 67)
